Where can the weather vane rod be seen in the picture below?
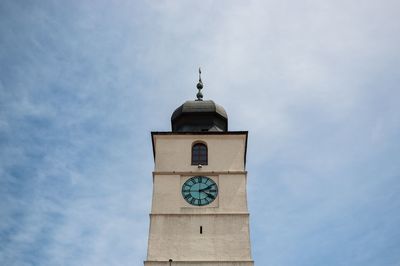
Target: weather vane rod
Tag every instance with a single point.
(199, 87)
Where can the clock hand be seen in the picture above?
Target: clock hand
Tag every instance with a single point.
(204, 189)
(210, 195)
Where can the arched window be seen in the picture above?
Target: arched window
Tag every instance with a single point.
(199, 154)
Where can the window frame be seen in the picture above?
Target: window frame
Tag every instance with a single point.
(197, 158)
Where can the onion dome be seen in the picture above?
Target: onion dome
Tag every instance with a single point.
(199, 115)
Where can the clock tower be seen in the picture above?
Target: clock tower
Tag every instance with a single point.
(199, 214)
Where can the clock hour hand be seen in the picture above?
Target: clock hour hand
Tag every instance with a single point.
(210, 195)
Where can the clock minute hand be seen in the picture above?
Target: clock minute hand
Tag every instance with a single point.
(204, 189)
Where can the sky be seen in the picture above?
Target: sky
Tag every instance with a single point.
(316, 84)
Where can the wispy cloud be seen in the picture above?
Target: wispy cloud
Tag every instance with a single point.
(83, 84)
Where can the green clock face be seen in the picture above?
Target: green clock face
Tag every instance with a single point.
(199, 190)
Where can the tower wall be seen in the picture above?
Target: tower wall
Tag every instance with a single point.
(224, 237)
(175, 224)
(226, 151)
(167, 197)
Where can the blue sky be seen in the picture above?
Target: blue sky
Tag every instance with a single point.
(316, 84)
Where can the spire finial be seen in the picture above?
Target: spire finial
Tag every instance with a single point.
(199, 87)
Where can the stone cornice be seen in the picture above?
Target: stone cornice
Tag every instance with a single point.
(188, 173)
(208, 213)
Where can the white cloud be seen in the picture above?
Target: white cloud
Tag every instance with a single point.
(82, 85)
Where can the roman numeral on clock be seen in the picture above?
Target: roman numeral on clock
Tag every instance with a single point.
(187, 196)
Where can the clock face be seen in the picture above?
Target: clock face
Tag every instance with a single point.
(199, 190)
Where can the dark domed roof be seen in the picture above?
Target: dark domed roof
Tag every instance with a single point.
(194, 116)
(199, 115)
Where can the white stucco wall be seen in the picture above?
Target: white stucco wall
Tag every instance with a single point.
(231, 198)
(175, 224)
(224, 237)
(225, 152)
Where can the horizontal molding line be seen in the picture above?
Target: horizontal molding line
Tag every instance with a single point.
(202, 261)
(199, 173)
(200, 133)
(187, 214)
